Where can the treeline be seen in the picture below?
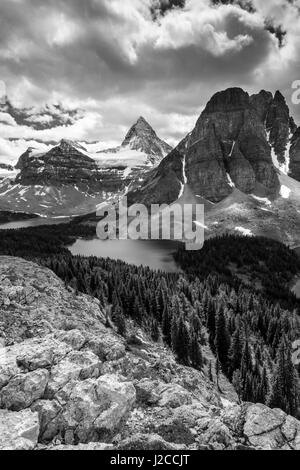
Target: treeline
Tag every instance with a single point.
(249, 333)
(8, 216)
(263, 263)
(42, 241)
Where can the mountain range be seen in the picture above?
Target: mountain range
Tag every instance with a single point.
(241, 160)
(69, 179)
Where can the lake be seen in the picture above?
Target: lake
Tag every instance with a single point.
(36, 222)
(155, 254)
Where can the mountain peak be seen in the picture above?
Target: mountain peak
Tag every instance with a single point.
(142, 120)
(278, 97)
(231, 99)
(140, 127)
(143, 138)
(66, 145)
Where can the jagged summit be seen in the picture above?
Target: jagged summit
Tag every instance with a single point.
(67, 145)
(142, 137)
(142, 121)
(139, 130)
(240, 142)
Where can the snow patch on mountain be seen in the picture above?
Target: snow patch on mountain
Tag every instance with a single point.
(285, 192)
(232, 148)
(230, 182)
(263, 200)
(285, 168)
(124, 158)
(244, 231)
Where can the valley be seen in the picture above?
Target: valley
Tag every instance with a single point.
(195, 334)
(149, 229)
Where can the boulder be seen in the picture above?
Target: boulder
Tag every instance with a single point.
(22, 390)
(175, 431)
(213, 431)
(40, 353)
(18, 431)
(173, 396)
(96, 408)
(73, 338)
(148, 442)
(262, 427)
(77, 365)
(49, 412)
(107, 346)
(92, 446)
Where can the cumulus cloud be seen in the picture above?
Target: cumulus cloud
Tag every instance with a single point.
(159, 58)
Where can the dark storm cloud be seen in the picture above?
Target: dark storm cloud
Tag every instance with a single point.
(161, 7)
(115, 53)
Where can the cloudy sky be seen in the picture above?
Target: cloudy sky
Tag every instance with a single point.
(119, 59)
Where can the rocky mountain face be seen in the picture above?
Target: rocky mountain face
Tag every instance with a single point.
(64, 164)
(68, 381)
(239, 142)
(295, 155)
(70, 180)
(163, 184)
(142, 137)
(228, 148)
(279, 125)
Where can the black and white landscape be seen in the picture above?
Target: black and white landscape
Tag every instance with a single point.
(140, 344)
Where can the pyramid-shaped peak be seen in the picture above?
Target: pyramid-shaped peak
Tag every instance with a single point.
(139, 130)
(69, 144)
(142, 137)
(142, 120)
(279, 97)
(141, 123)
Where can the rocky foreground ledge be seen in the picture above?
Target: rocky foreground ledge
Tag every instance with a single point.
(68, 382)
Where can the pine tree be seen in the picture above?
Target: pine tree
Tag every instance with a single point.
(284, 388)
(120, 321)
(222, 340)
(237, 383)
(155, 331)
(211, 323)
(245, 373)
(166, 325)
(196, 353)
(181, 340)
(218, 368)
(235, 351)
